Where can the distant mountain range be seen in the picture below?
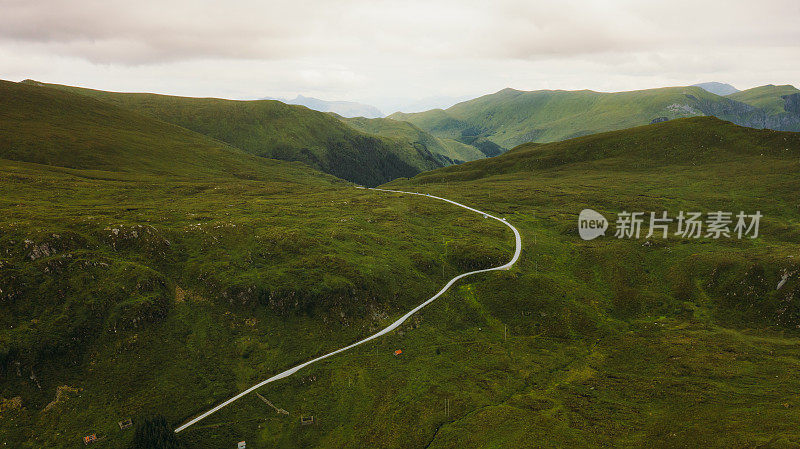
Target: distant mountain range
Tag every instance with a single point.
(428, 103)
(718, 88)
(782, 101)
(512, 117)
(371, 151)
(351, 109)
(343, 108)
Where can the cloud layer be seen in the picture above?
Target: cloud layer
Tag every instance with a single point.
(384, 51)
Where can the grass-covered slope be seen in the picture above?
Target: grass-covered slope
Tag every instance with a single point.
(512, 117)
(771, 98)
(163, 296)
(147, 269)
(53, 127)
(454, 151)
(271, 129)
(126, 295)
(694, 141)
(624, 342)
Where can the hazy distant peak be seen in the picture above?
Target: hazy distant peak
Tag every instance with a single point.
(717, 88)
(429, 103)
(343, 108)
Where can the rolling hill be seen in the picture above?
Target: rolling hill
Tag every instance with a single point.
(771, 98)
(271, 129)
(512, 117)
(683, 340)
(133, 284)
(149, 269)
(49, 126)
(691, 141)
(453, 150)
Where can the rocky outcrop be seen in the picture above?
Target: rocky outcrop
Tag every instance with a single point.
(62, 393)
(746, 115)
(792, 104)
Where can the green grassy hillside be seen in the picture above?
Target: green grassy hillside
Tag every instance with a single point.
(128, 292)
(623, 342)
(395, 129)
(512, 117)
(147, 269)
(163, 296)
(694, 141)
(53, 127)
(272, 129)
(769, 97)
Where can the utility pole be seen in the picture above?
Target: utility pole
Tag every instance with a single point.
(505, 333)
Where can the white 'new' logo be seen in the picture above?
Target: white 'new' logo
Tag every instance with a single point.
(591, 224)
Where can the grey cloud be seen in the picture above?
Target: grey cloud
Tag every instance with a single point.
(145, 31)
(371, 50)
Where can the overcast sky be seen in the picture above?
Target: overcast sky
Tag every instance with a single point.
(389, 53)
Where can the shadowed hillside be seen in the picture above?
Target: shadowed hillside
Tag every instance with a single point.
(451, 149)
(271, 129)
(771, 98)
(512, 117)
(693, 141)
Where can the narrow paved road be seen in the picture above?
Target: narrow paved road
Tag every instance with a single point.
(387, 329)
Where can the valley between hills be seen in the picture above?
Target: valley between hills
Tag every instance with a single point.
(161, 254)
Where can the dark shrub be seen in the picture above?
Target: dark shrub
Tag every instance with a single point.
(155, 433)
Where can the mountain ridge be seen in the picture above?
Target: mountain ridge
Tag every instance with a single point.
(721, 89)
(690, 141)
(349, 109)
(511, 117)
(272, 129)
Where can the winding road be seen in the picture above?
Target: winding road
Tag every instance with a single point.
(385, 330)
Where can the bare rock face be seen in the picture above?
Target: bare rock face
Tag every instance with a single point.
(746, 115)
(792, 104)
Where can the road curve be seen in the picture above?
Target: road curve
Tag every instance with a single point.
(385, 330)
